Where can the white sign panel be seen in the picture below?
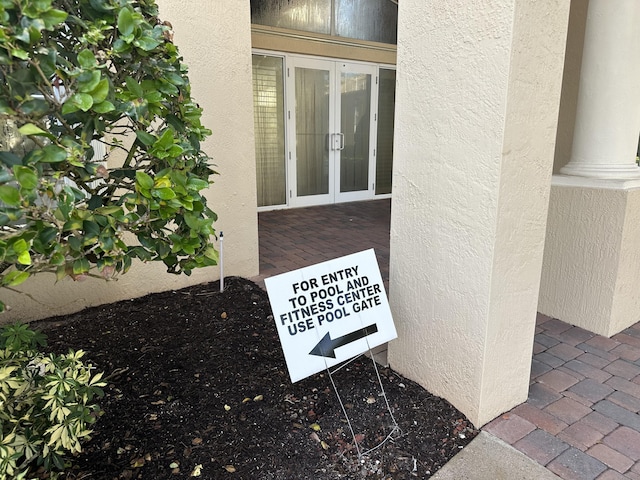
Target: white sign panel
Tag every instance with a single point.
(330, 312)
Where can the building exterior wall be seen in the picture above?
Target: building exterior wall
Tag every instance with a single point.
(215, 40)
(477, 105)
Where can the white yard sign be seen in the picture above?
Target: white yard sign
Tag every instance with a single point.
(330, 312)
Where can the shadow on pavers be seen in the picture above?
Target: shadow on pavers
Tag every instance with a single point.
(489, 458)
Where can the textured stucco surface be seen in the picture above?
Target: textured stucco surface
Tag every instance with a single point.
(477, 103)
(570, 83)
(607, 123)
(215, 40)
(591, 269)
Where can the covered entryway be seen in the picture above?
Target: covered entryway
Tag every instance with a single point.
(324, 101)
(338, 230)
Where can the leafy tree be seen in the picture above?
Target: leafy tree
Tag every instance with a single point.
(77, 76)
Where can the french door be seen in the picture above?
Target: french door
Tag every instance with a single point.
(331, 124)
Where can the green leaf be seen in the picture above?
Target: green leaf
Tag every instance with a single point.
(196, 184)
(15, 277)
(5, 109)
(69, 107)
(168, 88)
(10, 159)
(48, 235)
(101, 91)
(35, 106)
(144, 180)
(146, 43)
(53, 154)
(9, 195)
(88, 81)
(91, 230)
(19, 53)
(134, 87)
(121, 47)
(94, 202)
(165, 141)
(125, 22)
(80, 266)
(211, 253)
(83, 101)
(104, 107)
(73, 224)
(101, 6)
(74, 243)
(146, 138)
(24, 258)
(164, 193)
(87, 59)
(109, 210)
(20, 246)
(53, 17)
(26, 176)
(57, 259)
(174, 78)
(31, 129)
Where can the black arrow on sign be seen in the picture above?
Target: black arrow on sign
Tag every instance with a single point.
(326, 346)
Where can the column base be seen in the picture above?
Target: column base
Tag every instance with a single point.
(591, 265)
(593, 182)
(621, 171)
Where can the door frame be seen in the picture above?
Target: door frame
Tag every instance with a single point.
(292, 201)
(311, 63)
(343, 66)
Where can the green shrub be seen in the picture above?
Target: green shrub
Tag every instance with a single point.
(82, 76)
(46, 403)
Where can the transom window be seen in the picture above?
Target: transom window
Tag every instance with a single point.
(372, 20)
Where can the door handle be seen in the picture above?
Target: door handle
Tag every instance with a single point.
(337, 141)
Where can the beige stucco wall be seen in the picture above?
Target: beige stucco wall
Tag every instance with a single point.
(477, 103)
(215, 40)
(591, 266)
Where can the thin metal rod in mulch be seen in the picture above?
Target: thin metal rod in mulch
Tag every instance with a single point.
(221, 261)
(395, 428)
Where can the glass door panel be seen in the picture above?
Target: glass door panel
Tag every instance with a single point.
(355, 119)
(269, 127)
(384, 150)
(312, 131)
(332, 127)
(355, 155)
(311, 122)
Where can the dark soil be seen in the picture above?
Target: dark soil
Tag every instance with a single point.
(198, 387)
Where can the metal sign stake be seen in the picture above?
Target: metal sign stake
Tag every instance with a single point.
(396, 427)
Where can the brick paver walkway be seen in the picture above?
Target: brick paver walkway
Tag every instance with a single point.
(296, 238)
(581, 419)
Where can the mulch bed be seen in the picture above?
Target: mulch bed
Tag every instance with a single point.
(198, 387)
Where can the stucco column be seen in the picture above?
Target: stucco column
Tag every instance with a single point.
(476, 113)
(591, 267)
(608, 112)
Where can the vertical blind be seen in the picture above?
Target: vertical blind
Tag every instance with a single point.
(384, 148)
(268, 105)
